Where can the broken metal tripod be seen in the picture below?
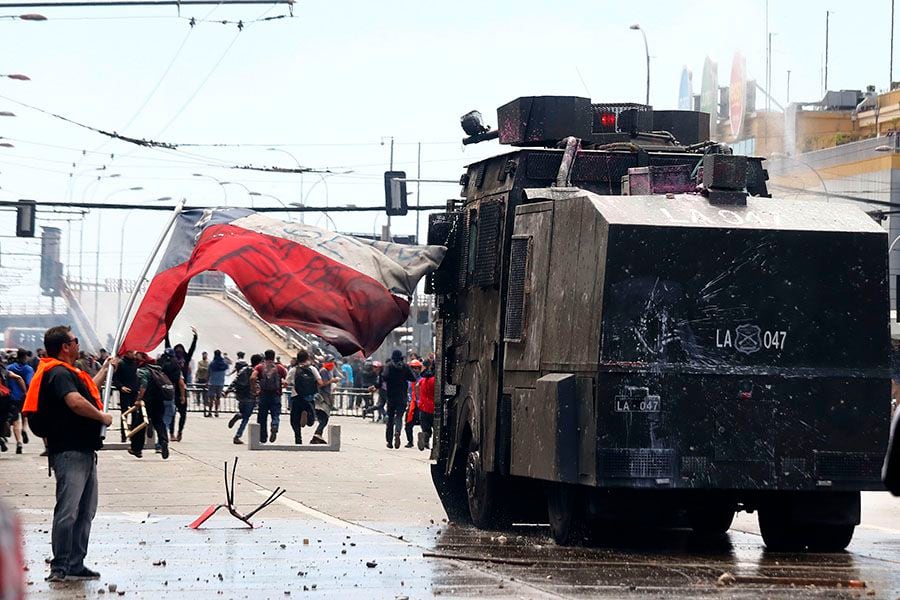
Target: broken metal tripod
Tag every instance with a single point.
(229, 499)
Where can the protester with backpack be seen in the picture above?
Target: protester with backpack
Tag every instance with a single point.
(307, 382)
(324, 400)
(268, 378)
(63, 405)
(246, 396)
(218, 367)
(155, 389)
(168, 362)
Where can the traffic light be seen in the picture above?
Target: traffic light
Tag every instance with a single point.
(51, 267)
(25, 211)
(395, 193)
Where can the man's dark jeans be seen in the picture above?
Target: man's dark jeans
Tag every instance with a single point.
(395, 415)
(137, 417)
(269, 404)
(299, 405)
(76, 504)
(245, 408)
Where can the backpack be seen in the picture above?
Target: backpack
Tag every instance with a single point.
(270, 380)
(160, 388)
(241, 383)
(305, 382)
(170, 367)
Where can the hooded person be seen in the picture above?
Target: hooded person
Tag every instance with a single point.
(218, 367)
(184, 356)
(396, 376)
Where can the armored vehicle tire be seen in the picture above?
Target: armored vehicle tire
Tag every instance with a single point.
(483, 491)
(778, 533)
(566, 514)
(829, 538)
(451, 490)
(711, 521)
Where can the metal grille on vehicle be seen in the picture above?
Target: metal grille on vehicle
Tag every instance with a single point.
(489, 245)
(515, 303)
(636, 462)
(462, 242)
(848, 465)
(692, 466)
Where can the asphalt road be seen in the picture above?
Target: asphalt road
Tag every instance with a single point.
(366, 522)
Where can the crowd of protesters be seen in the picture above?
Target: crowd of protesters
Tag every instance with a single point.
(310, 386)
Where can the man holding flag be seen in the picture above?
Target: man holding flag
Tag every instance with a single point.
(63, 405)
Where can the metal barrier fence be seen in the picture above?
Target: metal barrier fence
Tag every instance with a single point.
(348, 402)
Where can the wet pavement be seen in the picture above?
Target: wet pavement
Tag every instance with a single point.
(368, 525)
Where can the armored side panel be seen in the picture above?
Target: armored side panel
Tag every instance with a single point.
(728, 354)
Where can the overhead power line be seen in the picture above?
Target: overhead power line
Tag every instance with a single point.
(291, 208)
(100, 3)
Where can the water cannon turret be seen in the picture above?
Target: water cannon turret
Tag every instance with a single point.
(542, 121)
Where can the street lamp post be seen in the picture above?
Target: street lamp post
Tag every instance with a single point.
(81, 241)
(122, 258)
(275, 198)
(637, 27)
(97, 260)
(781, 156)
(309, 191)
(246, 189)
(219, 181)
(299, 168)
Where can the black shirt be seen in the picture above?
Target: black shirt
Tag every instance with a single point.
(396, 376)
(67, 430)
(126, 376)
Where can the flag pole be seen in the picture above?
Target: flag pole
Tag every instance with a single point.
(123, 319)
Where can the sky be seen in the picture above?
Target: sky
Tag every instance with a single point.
(332, 84)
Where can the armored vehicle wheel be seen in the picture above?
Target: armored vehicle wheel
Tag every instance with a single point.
(565, 512)
(711, 521)
(829, 538)
(451, 490)
(483, 492)
(778, 533)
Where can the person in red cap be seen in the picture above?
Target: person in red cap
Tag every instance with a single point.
(425, 395)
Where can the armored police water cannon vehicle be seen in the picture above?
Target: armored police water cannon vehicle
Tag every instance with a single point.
(630, 326)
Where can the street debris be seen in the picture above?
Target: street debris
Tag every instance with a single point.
(229, 499)
(729, 579)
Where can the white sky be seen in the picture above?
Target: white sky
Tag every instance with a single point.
(330, 83)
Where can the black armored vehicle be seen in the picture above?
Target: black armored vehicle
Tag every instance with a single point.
(630, 326)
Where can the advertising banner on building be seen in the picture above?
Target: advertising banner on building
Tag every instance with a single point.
(686, 90)
(737, 96)
(709, 93)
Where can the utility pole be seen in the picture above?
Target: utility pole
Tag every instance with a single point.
(418, 187)
(769, 74)
(827, 17)
(386, 232)
(788, 87)
(768, 56)
(891, 78)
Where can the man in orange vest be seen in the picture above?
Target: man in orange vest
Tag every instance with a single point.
(64, 403)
